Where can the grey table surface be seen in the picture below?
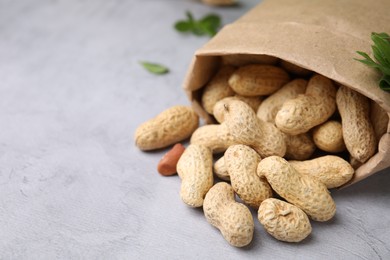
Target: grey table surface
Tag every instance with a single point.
(72, 183)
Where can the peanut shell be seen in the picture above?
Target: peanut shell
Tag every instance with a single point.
(195, 168)
(283, 220)
(305, 192)
(233, 219)
(171, 126)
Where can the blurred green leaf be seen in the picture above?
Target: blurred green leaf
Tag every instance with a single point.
(207, 25)
(381, 52)
(154, 68)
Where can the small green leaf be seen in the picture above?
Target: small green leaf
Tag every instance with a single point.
(189, 16)
(382, 44)
(368, 61)
(183, 26)
(211, 19)
(154, 68)
(207, 25)
(384, 83)
(382, 35)
(381, 53)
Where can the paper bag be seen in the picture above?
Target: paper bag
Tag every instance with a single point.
(322, 36)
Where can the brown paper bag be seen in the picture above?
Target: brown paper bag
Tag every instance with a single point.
(322, 36)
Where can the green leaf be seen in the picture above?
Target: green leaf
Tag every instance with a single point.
(382, 45)
(381, 53)
(384, 83)
(212, 20)
(207, 25)
(154, 68)
(183, 26)
(189, 16)
(382, 35)
(210, 24)
(368, 61)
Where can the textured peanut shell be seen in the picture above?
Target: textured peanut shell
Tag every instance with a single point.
(283, 220)
(358, 132)
(313, 108)
(215, 137)
(299, 147)
(220, 169)
(305, 192)
(241, 163)
(329, 137)
(271, 105)
(331, 170)
(195, 168)
(217, 89)
(379, 120)
(258, 80)
(295, 69)
(169, 127)
(233, 219)
(246, 128)
(253, 102)
(219, 111)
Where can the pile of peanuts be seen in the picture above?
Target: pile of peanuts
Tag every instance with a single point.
(284, 137)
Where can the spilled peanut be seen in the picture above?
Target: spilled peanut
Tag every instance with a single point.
(305, 192)
(233, 219)
(241, 162)
(283, 220)
(169, 127)
(331, 170)
(195, 168)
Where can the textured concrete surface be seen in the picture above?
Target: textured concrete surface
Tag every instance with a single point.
(72, 184)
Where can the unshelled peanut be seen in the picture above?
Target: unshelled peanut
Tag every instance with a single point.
(233, 219)
(299, 115)
(215, 137)
(169, 127)
(217, 89)
(329, 137)
(331, 170)
(305, 192)
(283, 220)
(241, 162)
(219, 111)
(195, 168)
(246, 128)
(299, 147)
(270, 106)
(220, 169)
(358, 132)
(258, 80)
